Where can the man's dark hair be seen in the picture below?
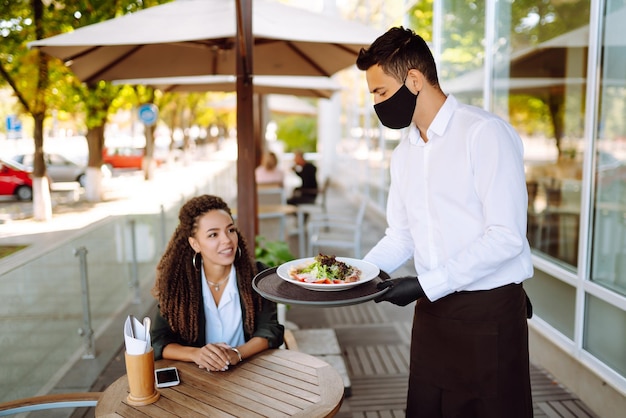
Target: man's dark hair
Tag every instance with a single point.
(398, 51)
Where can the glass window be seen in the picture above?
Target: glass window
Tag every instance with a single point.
(539, 86)
(608, 260)
(462, 38)
(605, 333)
(543, 290)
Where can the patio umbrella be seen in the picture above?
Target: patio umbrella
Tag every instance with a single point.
(321, 87)
(205, 37)
(276, 103)
(198, 37)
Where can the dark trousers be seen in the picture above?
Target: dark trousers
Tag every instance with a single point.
(301, 197)
(469, 356)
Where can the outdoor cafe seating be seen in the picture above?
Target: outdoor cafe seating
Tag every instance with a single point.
(272, 383)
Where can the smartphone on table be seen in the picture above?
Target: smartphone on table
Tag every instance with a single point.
(166, 377)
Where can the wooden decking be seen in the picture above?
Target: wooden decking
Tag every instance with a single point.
(375, 341)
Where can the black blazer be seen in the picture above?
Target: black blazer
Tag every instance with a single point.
(266, 326)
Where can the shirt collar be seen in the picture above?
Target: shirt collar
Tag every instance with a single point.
(230, 291)
(414, 135)
(443, 117)
(438, 125)
(231, 287)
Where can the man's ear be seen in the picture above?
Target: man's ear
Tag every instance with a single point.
(415, 80)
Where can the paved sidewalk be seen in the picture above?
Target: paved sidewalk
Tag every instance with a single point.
(126, 193)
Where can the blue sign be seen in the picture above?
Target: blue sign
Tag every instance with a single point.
(14, 127)
(148, 114)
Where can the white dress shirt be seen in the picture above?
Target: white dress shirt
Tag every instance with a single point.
(224, 323)
(457, 204)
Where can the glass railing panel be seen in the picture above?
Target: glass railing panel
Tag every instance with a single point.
(42, 294)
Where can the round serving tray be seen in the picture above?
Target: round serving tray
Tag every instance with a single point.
(269, 285)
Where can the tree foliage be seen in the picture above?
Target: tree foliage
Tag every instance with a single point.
(298, 132)
(42, 83)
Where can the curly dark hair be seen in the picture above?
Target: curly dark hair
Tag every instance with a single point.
(397, 51)
(178, 284)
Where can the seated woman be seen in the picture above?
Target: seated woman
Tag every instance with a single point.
(269, 172)
(209, 313)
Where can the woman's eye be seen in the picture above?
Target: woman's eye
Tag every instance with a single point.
(232, 230)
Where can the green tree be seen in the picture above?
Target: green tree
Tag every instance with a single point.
(130, 98)
(182, 111)
(41, 83)
(298, 132)
(421, 19)
(96, 99)
(27, 73)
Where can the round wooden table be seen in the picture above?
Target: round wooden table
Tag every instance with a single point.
(274, 383)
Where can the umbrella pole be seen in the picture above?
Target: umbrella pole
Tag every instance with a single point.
(247, 219)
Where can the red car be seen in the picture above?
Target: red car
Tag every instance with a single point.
(15, 180)
(123, 157)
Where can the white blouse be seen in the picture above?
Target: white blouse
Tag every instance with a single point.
(224, 323)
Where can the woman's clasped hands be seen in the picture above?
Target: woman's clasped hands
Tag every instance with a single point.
(216, 357)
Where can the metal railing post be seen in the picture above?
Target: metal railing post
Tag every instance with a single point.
(86, 331)
(135, 268)
(163, 227)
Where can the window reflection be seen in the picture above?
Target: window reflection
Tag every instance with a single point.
(540, 87)
(609, 212)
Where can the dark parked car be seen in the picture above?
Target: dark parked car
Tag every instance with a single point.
(15, 180)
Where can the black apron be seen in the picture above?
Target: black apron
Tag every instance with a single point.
(469, 356)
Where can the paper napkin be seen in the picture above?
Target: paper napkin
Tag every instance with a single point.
(137, 335)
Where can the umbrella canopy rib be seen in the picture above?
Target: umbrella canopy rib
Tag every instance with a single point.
(96, 77)
(306, 58)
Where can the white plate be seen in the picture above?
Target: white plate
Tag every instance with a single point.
(368, 272)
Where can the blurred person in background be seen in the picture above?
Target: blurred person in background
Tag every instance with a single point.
(307, 192)
(269, 172)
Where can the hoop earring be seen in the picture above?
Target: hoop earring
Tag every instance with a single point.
(238, 252)
(193, 261)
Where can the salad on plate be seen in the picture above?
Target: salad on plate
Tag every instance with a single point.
(325, 269)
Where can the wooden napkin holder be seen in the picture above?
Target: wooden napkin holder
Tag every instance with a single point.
(140, 373)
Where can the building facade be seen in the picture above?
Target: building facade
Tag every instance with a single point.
(556, 70)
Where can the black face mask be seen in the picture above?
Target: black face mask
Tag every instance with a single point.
(397, 111)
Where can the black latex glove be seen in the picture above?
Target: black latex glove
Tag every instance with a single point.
(402, 291)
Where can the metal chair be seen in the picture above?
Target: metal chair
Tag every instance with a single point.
(320, 201)
(45, 402)
(332, 230)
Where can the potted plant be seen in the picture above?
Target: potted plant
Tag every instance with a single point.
(273, 254)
